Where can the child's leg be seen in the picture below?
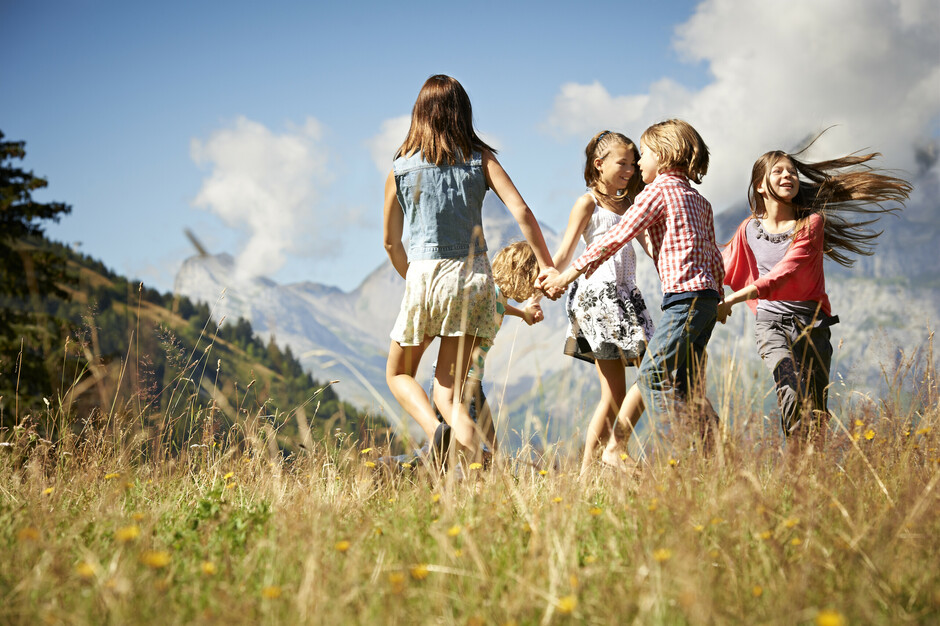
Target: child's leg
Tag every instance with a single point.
(453, 363)
(613, 389)
(400, 375)
(630, 412)
(813, 354)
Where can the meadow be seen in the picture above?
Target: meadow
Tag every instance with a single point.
(102, 520)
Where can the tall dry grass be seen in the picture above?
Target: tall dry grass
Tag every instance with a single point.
(103, 525)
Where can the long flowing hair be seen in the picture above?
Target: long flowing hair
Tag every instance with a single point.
(442, 124)
(849, 193)
(598, 148)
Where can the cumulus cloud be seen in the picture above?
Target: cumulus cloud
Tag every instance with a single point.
(382, 147)
(268, 186)
(782, 72)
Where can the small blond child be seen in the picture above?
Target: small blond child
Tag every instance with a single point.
(515, 269)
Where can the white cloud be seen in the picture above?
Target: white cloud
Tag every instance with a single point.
(383, 146)
(268, 186)
(781, 72)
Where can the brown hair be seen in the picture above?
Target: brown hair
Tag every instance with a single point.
(442, 124)
(835, 189)
(515, 269)
(598, 148)
(678, 146)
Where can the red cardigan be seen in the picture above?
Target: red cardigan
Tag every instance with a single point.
(798, 275)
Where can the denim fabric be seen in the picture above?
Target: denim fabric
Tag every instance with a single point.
(675, 357)
(799, 355)
(442, 206)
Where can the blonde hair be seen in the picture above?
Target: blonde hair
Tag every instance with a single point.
(515, 269)
(598, 148)
(442, 124)
(678, 146)
(835, 189)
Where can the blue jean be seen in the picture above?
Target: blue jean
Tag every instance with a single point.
(673, 367)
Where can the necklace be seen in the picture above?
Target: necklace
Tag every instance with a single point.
(771, 237)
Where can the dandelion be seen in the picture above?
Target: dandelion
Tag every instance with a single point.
(155, 559)
(859, 423)
(543, 472)
(435, 497)
(796, 541)
(590, 559)
(127, 533)
(419, 571)
(673, 462)
(595, 511)
(791, 522)
(716, 521)
(370, 464)
(567, 605)
(342, 546)
(557, 499)
(366, 451)
(228, 475)
(714, 554)
(757, 591)
(112, 475)
(378, 531)
(48, 490)
(829, 617)
(208, 568)
(654, 503)
(396, 580)
(476, 466)
(28, 534)
(138, 517)
(662, 555)
(923, 431)
(766, 535)
(85, 570)
(271, 592)
(869, 434)
(454, 530)
(698, 528)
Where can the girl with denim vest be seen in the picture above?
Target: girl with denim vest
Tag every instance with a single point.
(439, 178)
(609, 324)
(775, 262)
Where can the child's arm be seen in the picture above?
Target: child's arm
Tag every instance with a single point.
(393, 223)
(499, 181)
(741, 295)
(531, 313)
(577, 221)
(646, 242)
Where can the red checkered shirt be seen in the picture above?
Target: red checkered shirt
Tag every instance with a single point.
(681, 226)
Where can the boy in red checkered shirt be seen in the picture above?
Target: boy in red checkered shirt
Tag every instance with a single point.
(680, 237)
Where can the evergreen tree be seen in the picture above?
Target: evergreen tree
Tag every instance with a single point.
(30, 273)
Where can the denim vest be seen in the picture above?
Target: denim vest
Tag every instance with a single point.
(442, 205)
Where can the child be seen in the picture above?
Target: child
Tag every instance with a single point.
(609, 324)
(681, 233)
(775, 262)
(515, 270)
(438, 180)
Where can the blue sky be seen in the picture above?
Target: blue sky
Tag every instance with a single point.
(268, 130)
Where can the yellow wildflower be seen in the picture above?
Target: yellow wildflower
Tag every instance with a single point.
(567, 605)
(366, 451)
(85, 569)
(796, 541)
(271, 592)
(869, 434)
(791, 522)
(370, 464)
(231, 485)
(342, 546)
(112, 475)
(436, 497)
(454, 530)
(138, 517)
(156, 559)
(673, 462)
(396, 580)
(28, 534)
(662, 555)
(595, 511)
(208, 568)
(543, 472)
(828, 617)
(458, 553)
(127, 533)
(476, 466)
(654, 503)
(698, 528)
(48, 490)
(766, 535)
(419, 571)
(557, 499)
(573, 581)
(923, 431)
(590, 559)
(716, 521)
(228, 475)
(757, 591)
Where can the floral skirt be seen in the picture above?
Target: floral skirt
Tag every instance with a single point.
(447, 298)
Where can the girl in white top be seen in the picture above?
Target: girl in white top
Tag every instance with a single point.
(609, 324)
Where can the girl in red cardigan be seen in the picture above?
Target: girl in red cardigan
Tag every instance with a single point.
(775, 264)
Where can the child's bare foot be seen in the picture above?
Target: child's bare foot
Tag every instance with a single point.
(620, 460)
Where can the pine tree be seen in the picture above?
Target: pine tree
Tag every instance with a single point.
(30, 274)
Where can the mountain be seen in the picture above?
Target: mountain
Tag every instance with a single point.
(886, 304)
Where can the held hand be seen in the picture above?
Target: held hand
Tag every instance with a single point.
(552, 284)
(724, 311)
(532, 313)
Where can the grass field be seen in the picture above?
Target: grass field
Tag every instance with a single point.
(101, 525)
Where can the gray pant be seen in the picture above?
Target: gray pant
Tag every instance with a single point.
(799, 353)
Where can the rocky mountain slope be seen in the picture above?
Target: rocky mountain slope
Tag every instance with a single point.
(887, 304)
